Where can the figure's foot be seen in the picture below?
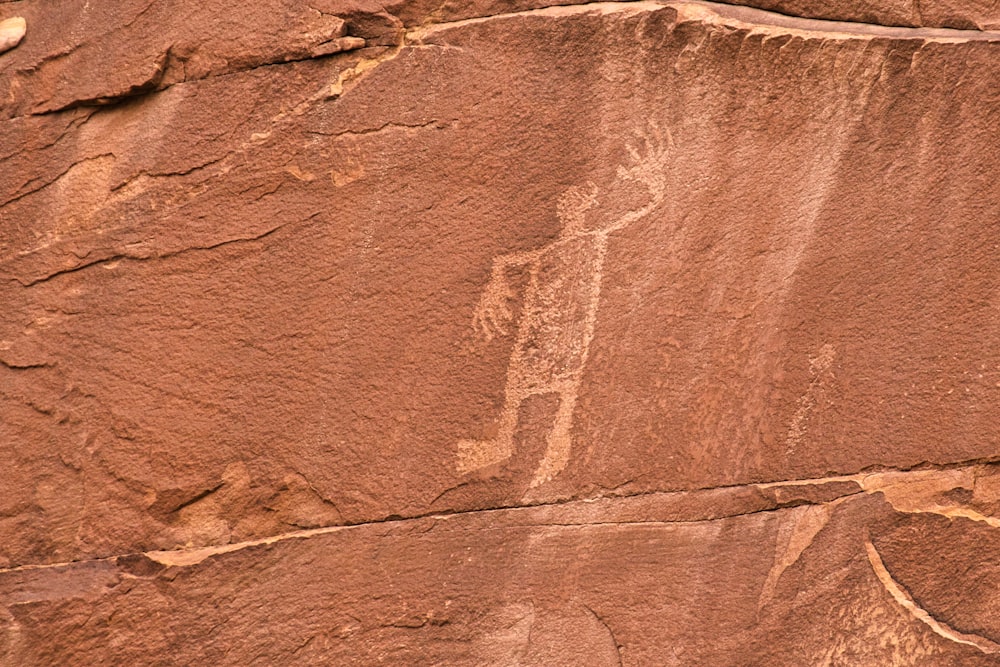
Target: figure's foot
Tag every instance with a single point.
(556, 456)
(478, 454)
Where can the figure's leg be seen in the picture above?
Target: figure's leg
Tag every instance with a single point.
(559, 442)
(476, 454)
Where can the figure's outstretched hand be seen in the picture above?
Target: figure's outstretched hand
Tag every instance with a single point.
(493, 313)
(647, 157)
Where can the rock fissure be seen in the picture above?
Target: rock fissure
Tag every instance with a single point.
(595, 334)
(155, 257)
(166, 174)
(906, 601)
(25, 366)
(436, 124)
(154, 83)
(891, 483)
(38, 188)
(750, 17)
(611, 634)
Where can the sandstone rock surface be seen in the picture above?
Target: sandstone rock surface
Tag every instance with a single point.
(962, 14)
(11, 32)
(474, 333)
(958, 14)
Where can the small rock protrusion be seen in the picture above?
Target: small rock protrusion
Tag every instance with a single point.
(12, 32)
(337, 46)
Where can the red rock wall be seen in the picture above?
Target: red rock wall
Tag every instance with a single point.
(637, 333)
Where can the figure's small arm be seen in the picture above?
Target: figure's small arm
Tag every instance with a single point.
(493, 313)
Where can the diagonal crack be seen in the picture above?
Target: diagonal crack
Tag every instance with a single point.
(153, 84)
(159, 256)
(870, 483)
(193, 555)
(749, 16)
(614, 640)
(33, 188)
(741, 13)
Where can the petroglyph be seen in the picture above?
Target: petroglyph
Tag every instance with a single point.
(349, 166)
(559, 308)
(818, 366)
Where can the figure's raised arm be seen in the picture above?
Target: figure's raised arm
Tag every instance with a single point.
(647, 159)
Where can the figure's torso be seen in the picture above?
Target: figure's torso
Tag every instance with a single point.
(560, 303)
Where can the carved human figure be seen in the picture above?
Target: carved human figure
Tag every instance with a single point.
(559, 309)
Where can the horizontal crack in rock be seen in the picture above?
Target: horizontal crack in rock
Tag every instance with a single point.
(891, 483)
(748, 17)
(158, 256)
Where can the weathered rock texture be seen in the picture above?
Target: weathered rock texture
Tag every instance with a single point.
(11, 32)
(648, 333)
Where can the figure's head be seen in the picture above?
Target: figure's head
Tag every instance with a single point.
(573, 205)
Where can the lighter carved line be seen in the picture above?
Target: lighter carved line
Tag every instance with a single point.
(559, 309)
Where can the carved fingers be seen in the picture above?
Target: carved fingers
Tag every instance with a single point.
(647, 155)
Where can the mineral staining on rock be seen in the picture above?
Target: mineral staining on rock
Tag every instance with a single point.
(621, 333)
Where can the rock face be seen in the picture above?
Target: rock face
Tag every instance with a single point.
(636, 333)
(11, 32)
(962, 14)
